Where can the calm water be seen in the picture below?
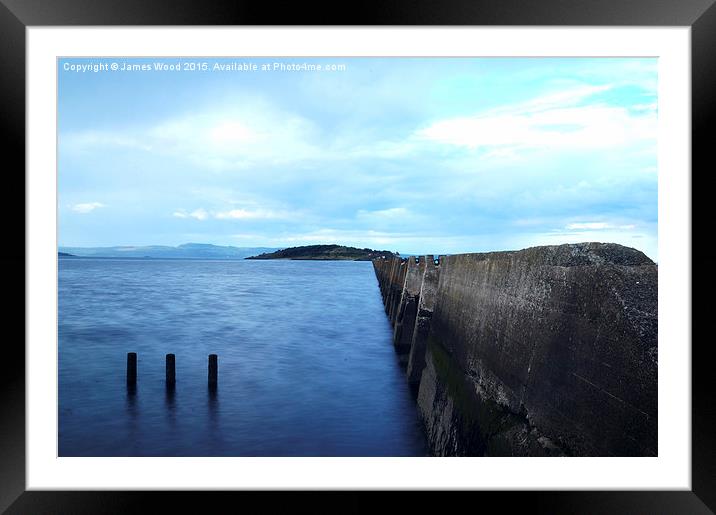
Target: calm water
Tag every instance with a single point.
(306, 363)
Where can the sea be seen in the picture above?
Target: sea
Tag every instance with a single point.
(306, 365)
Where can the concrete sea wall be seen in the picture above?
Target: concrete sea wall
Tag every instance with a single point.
(547, 351)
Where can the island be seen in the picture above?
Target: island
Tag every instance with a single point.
(327, 252)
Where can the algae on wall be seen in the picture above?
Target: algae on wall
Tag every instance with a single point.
(461, 421)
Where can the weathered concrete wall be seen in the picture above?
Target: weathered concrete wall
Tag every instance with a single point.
(396, 288)
(408, 307)
(544, 351)
(426, 304)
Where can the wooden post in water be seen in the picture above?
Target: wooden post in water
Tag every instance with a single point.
(213, 370)
(171, 371)
(131, 368)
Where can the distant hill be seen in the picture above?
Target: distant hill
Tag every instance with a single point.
(65, 254)
(325, 252)
(185, 251)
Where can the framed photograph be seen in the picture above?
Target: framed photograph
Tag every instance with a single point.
(417, 249)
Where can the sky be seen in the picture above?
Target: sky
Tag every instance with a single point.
(415, 155)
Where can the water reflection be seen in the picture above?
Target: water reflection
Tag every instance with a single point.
(131, 392)
(213, 399)
(170, 403)
(131, 410)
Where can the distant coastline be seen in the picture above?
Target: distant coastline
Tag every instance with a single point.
(199, 251)
(184, 251)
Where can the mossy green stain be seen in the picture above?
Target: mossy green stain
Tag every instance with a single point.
(452, 379)
(480, 419)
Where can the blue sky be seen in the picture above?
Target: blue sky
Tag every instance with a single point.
(405, 154)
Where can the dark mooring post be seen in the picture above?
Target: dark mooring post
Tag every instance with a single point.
(131, 368)
(171, 371)
(213, 370)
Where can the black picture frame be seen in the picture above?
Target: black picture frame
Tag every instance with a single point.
(17, 15)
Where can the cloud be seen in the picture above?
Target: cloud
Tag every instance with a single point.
(558, 120)
(557, 99)
(86, 207)
(96, 139)
(240, 134)
(594, 226)
(198, 214)
(232, 132)
(247, 214)
(249, 132)
(392, 213)
(234, 214)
